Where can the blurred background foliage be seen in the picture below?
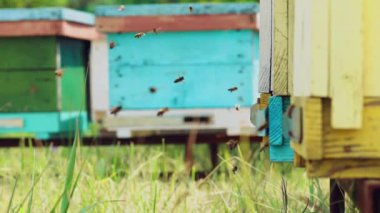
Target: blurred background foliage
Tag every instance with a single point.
(89, 5)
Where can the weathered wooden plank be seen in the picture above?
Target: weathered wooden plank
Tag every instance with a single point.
(344, 168)
(206, 48)
(279, 74)
(346, 70)
(311, 51)
(290, 45)
(312, 125)
(176, 23)
(28, 91)
(130, 86)
(99, 78)
(178, 9)
(265, 46)
(20, 53)
(56, 14)
(48, 28)
(371, 32)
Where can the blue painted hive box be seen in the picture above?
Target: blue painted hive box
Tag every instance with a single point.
(213, 46)
(42, 71)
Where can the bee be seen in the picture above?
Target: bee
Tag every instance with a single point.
(162, 111)
(59, 72)
(152, 90)
(155, 30)
(190, 9)
(237, 107)
(177, 80)
(234, 169)
(116, 110)
(232, 144)
(232, 89)
(112, 44)
(139, 35)
(121, 8)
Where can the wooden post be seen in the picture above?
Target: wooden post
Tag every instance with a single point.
(213, 154)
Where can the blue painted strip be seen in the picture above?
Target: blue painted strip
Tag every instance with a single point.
(178, 9)
(282, 153)
(63, 14)
(42, 123)
(275, 120)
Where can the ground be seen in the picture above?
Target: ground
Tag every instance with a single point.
(153, 179)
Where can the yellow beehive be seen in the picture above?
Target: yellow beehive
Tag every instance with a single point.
(327, 54)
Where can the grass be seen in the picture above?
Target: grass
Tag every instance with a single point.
(116, 178)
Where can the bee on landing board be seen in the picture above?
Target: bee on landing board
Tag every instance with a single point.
(59, 72)
(232, 89)
(177, 80)
(121, 8)
(190, 9)
(232, 144)
(112, 45)
(116, 110)
(162, 111)
(139, 35)
(237, 107)
(155, 30)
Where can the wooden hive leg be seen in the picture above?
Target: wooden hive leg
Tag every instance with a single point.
(189, 148)
(213, 148)
(336, 197)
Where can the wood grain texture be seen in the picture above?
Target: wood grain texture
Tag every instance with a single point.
(371, 31)
(56, 14)
(346, 70)
(178, 9)
(343, 168)
(176, 23)
(275, 121)
(290, 45)
(265, 45)
(311, 51)
(279, 74)
(311, 146)
(48, 28)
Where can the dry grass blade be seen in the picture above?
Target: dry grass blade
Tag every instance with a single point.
(307, 205)
(284, 194)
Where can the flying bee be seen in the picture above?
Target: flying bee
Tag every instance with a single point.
(232, 144)
(234, 169)
(116, 110)
(59, 72)
(190, 9)
(152, 90)
(177, 80)
(237, 107)
(139, 35)
(121, 8)
(112, 44)
(162, 111)
(232, 89)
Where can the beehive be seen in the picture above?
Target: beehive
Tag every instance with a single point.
(332, 49)
(213, 46)
(35, 43)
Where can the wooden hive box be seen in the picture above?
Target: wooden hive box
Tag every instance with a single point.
(35, 43)
(213, 46)
(333, 68)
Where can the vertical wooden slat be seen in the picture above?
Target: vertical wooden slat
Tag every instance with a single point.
(279, 72)
(265, 45)
(346, 70)
(371, 57)
(290, 45)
